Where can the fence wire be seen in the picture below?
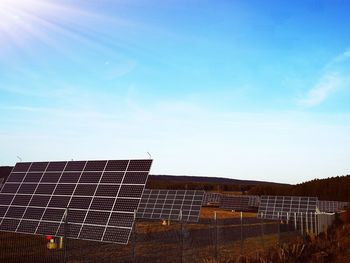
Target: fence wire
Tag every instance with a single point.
(209, 239)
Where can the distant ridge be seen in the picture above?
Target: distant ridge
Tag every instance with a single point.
(5, 171)
(203, 179)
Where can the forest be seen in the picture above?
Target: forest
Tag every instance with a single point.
(332, 188)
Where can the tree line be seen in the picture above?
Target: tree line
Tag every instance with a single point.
(332, 188)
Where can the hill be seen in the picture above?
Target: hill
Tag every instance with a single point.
(205, 183)
(203, 179)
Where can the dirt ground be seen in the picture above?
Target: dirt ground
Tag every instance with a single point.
(208, 212)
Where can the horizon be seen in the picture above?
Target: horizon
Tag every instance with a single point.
(242, 90)
(201, 176)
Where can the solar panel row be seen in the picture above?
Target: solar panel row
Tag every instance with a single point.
(101, 197)
(254, 200)
(235, 202)
(331, 206)
(177, 205)
(211, 198)
(277, 207)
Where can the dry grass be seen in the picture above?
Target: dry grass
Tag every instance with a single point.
(332, 247)
(231, 192)
(208, 212)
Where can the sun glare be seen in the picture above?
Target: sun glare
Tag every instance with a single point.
(15, 15)
(23, 21)
(11, 10)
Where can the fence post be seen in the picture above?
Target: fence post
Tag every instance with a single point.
(301, 223)
(278, 228)
(133, 243)
(216, 236)
(306, 222)
(311, 225)
(181, 235)
(241, 233)
(262, 230)
(322, 222)
(319, 223)
(65, 234)
(295, 221)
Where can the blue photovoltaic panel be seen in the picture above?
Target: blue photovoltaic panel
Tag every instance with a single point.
(281, 207)
(101, 197)
(176, 205)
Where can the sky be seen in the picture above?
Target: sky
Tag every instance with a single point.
(255, 90)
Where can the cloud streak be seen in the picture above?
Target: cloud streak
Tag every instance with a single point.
(329, 84)
(335, 77)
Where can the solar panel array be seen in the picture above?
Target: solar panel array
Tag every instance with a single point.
(177, 205)
(101, 197)
(277, 207)
(211, 198)
(331, 206)
(235, 202)
(254, 200)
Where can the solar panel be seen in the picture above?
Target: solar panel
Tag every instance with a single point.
(211, 199)
(331, 206)
(1, 182)
(174, 205)
(4, 173)
(101, 197)
(254, 200)
(235, 202)
(277, 207)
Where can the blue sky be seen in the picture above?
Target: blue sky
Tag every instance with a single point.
(241, 89)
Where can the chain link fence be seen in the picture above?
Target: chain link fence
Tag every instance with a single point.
(209, 240)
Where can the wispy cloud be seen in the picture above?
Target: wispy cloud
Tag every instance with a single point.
(344, 56)
(116, 70)
(322, 90)
(336, 74)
